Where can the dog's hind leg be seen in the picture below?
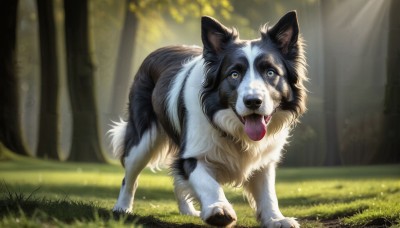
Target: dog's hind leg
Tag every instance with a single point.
(135, 161)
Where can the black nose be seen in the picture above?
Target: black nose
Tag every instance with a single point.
(252, 102)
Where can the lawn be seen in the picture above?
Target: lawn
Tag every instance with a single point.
(36, 193)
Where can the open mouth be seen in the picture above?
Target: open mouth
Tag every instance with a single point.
(255, 126)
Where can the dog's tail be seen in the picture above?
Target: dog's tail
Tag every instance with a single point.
(117, 135)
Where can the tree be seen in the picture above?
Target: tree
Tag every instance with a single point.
(330, 88)
(391, 123)
(10, 128)
(81, 85)
(48, 145)
(124, 58)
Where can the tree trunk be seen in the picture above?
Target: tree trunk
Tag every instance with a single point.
(390, 149)
(123, 68)
(80, 76)
(48, 145)
(330, 88)
(10, 127)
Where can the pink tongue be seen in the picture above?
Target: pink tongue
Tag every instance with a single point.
(255, 127)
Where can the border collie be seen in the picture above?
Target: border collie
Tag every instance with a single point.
(216, 115)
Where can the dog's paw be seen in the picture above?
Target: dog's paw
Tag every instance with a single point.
(282, 223)
(190, 212)
(219, 214)
(194, 213)
(122, 209)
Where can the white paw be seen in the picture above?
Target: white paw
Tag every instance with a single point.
(219, 214)
(122, 208)
(188, 210)
(194, 213)
(282, 223)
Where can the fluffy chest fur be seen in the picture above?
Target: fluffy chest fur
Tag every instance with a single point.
(234, 158)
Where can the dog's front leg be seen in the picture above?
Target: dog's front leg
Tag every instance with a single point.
(261, 192)
(215, 208)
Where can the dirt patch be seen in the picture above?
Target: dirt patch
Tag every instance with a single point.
(333, 223)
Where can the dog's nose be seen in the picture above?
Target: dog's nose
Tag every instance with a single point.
(252, 101)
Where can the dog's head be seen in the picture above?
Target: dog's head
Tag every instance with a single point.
(256, 79)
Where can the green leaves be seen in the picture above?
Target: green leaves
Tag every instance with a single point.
(179, 10)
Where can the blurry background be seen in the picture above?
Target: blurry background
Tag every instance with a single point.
(74, 63)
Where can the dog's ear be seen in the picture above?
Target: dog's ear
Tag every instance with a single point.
(215, 35)
(285, 33)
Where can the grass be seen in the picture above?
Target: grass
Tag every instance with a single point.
(36, 193)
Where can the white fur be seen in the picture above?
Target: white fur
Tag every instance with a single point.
(251, 53)
(152, 142)
(253, 84)
(117, 135)
(162, 158)
(197, 138)
(262, 196)
(184, 196)
(173, 95)
(209, 193)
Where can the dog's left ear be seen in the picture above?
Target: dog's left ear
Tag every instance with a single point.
(215, 35)
(285, 33)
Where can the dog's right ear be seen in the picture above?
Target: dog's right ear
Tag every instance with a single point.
(215, 35)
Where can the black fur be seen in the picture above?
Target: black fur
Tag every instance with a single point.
(293, 58)
(156, 71)
(184, 167)
(219, 44)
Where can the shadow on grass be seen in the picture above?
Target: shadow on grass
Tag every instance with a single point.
(82, 191)
(24, 165)
(23, 200)
(68, 211)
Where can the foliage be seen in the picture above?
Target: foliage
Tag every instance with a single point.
(180, 9)
(60, 194)
(154, 17)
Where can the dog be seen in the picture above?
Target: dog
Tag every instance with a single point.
(216, 115)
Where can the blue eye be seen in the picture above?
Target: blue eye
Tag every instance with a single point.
(234, 75)
(271, 73)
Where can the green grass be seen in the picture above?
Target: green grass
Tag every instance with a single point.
(36, 193)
